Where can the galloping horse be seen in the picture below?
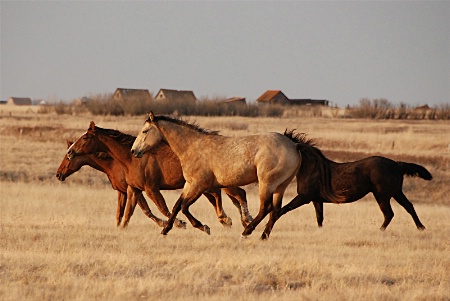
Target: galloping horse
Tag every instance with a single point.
(353, 180)
(158, 170)
(116, 175)
(210, 161)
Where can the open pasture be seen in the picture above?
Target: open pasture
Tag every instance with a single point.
(58, 240)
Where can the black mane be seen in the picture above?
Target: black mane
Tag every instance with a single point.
(193, 126)
(118, 136)
(304, 144)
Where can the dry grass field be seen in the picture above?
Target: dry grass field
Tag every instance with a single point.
(58, 240)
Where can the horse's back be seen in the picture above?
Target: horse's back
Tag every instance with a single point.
(233, 160)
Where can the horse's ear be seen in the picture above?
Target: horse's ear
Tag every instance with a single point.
(92, 126)
(69, 143)
(151, 116)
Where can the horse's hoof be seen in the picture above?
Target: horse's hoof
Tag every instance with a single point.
(206, 229)
(164, 231)
(226, 222)
(244, 236)
(264, 236)
(421, 228)
(180, 224)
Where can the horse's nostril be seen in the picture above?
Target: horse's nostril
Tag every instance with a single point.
(132, 151)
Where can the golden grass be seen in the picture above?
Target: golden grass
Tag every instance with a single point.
(59, 240)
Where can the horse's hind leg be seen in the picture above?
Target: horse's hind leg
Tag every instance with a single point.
(295, 203)
(215, 198)
(385, 206)
(403, 200)
(121, 202)
(239, 198)
(265, 207)
(319, 212)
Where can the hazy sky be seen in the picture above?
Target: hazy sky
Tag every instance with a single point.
(340, 51)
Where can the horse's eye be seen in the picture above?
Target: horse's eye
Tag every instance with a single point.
(145, 131)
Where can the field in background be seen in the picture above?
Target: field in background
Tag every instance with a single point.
(58, 240)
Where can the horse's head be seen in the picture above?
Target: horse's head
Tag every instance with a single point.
(149, 136)
(68, 167)
(88, 143)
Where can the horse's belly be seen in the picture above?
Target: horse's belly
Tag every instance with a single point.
(236, 176)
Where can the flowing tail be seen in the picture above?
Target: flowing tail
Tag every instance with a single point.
(415, 170)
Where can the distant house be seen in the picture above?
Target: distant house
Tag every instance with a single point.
(309, 102)
(233, 100)
(174, 95)
(422, 108)
(276, 96)
(273, 96)
(19, 101)
(124, 94)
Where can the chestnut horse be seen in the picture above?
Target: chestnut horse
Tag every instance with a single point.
(116, 175)
(210, 161)
(379, 175)
(158, 170)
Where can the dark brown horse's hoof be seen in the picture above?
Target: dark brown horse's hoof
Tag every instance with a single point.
(264, 236)
(421, 228)
(206, 229)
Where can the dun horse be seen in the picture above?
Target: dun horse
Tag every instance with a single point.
(210, 160)
(116, 175)
(353, 180)
(159, 170)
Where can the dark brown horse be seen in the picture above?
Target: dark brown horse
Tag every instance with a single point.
(116, 175)
(160, 169)
(353, 180)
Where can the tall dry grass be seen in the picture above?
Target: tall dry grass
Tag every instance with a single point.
(59, 240)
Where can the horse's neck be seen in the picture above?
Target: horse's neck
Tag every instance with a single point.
(179, 137)
(116, 150)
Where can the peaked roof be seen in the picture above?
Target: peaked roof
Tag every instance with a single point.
(269, 95)
(174, 94)
(20, 101)
(234, 100)
(132, 92)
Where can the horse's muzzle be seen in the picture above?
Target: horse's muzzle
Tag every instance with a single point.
(61, 176)
(136, 154)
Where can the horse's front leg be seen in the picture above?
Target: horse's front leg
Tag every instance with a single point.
(157, 198)
(121, 202)
(318, 206)
(131, 205)
(215, 198)
(189, 195)
(144, 206)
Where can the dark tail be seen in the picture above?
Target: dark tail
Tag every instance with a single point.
(415, 170)
(313, 155)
